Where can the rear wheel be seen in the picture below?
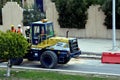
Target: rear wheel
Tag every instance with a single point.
(48, 59)
(16, 61)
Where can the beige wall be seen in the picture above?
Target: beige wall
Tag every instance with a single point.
(30, 3)
(94, 26)
(12, 15)
(93, 29)
(0, 27)
(52, 15)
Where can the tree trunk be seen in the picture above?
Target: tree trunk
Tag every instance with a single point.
(8, 68)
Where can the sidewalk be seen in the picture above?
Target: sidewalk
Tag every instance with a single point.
(96, 47)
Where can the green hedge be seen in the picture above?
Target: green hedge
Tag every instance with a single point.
(12, 45)
(107, 8)
(73, 13)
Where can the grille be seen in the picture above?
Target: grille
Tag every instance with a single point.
(73, 45)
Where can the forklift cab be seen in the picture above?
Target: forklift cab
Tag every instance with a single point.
(41, 31)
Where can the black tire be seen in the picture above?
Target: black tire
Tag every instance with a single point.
(48, 59)
(67, 59)
(29, 56)
(16, 61)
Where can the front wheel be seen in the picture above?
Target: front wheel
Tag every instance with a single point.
(48, 59)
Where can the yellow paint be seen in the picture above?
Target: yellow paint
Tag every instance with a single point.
(51, 41)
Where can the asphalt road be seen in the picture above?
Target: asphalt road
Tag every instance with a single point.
(91, 66)
(95, 66)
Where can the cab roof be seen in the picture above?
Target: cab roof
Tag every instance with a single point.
(40, 22)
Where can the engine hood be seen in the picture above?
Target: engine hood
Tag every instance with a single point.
(52, 41)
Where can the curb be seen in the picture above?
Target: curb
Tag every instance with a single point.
(91, 55)
(64, 71)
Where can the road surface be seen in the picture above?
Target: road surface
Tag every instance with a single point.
(76, 65)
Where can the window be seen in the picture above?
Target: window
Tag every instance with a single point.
(49, 30)
(2, 2)
(0, 16)
(36, 31)
(42, 30)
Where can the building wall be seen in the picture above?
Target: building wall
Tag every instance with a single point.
(94, 26)
(29, 3)
(1, 27)
(93, 29)
(12, 15)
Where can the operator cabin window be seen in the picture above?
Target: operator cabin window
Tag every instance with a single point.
(50, 32)
(36, 31)
(42, 30)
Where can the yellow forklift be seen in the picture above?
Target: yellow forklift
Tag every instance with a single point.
(49, 49)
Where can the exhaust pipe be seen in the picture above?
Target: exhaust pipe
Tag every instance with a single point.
(67, 33)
